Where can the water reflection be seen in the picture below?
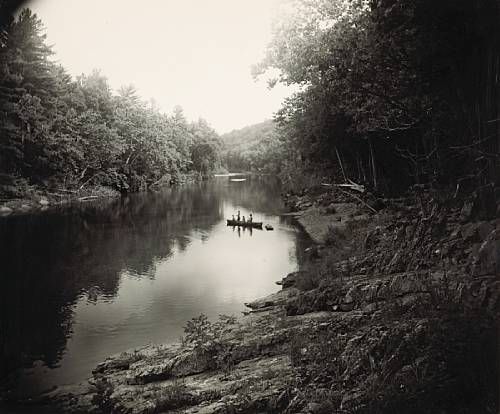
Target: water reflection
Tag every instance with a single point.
(89, 281)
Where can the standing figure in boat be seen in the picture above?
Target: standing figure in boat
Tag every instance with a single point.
(250, 219)
(238, 216)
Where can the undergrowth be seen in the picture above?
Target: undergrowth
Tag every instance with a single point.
(208, 340)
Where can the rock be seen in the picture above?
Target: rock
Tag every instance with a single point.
(313, 408)
(289, 280)
(409, 231)
(487, 259)
(144, 375)
(4, 210)
(279, 298)
(312, 252)
(44, 202)
(114, 364)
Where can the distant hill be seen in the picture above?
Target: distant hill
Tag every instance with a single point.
(252, 148)
(248, 135)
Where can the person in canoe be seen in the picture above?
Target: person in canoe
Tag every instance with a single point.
(244, 221)
(250, 219)
(238, 216)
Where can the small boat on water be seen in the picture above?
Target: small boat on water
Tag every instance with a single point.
(269, 227)
(253, 224)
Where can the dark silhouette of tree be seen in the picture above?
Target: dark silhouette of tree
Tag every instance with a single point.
(392, 92)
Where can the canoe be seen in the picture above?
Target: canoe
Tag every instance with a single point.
(254, 224)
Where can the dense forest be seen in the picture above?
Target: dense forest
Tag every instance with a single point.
(392, 93)
(68, 134)
(255, 148)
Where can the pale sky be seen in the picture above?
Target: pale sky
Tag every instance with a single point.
(193, 53)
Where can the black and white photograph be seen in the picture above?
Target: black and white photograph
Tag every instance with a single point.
(250, 207)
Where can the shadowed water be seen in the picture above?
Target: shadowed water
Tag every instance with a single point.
(80, 284)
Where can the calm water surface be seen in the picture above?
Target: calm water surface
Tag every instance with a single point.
(83, 283)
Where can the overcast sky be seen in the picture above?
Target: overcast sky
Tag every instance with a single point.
(193, 53)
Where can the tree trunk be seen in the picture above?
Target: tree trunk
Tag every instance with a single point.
(340, 163)
(373, 164)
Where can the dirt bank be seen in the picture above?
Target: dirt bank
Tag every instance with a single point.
(395, 312)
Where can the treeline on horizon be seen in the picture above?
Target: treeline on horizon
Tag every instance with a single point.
(392, 93)
(59, 132)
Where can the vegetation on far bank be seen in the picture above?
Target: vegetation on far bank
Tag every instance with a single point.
(64, 133)
(253, 148)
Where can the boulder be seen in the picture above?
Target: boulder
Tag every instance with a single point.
(4, 210)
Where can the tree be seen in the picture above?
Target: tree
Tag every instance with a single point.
(56, 131)
(205, 148)
(384, 85)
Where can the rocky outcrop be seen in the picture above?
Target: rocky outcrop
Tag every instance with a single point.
(399, 316)
(249, 368)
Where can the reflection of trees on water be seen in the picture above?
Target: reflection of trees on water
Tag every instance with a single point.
(48, 261)
(51, 260)
(255, 194)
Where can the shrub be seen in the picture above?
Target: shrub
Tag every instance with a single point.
(208, 339)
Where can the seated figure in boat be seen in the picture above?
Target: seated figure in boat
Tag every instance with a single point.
(244, 221)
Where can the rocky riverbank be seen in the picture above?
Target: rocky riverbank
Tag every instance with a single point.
(396, 311)
(17, 197)
(37, 200)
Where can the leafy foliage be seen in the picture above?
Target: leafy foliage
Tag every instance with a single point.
(61, 132)
(253, 148)
(200, 331)
(392, 92)
(208, 340)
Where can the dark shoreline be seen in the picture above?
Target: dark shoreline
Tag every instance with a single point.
(41, 200)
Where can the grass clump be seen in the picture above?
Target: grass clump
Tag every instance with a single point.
(209, 339)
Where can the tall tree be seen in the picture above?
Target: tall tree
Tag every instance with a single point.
(383, 89)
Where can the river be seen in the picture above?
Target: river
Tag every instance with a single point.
(81, 283)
